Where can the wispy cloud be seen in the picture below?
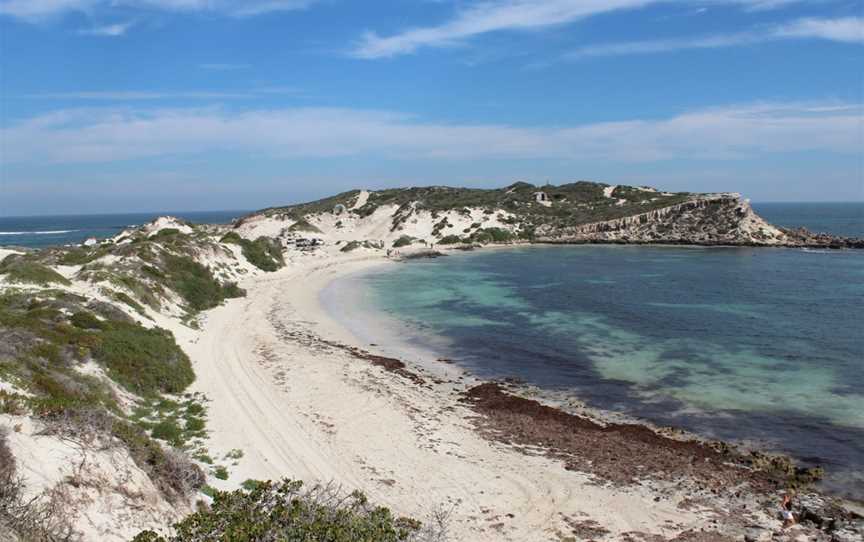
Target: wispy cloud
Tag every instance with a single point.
(37, 10)
(500, 15)
(847, 30)
(111, 30)
(107, 135)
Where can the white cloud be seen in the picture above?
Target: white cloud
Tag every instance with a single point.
(491, 16)
(848, 30)
(36, 10)
(106, 135)
(111, 30)
(486, 17)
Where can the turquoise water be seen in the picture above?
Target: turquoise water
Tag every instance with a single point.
(757, 345)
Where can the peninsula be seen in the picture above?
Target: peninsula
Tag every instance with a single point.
(186, 371)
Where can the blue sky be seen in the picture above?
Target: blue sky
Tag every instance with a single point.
(139, 105)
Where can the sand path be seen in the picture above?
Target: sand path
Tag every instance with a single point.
(299, 408)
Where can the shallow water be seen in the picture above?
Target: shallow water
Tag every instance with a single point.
(761, 345)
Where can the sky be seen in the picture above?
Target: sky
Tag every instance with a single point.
(150, 105)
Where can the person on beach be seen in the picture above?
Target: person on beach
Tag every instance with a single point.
(786, 511)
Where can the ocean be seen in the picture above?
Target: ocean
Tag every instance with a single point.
(46, 231)
(756, 345)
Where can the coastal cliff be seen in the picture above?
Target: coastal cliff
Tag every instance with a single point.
(581, 212)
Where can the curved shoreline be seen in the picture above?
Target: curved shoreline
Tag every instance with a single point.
(296, 392)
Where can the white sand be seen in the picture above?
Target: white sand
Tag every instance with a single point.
(301, 409)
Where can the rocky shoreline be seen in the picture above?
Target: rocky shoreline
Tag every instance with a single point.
(735, 485)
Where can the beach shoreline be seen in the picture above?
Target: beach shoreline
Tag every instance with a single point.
(294, 389)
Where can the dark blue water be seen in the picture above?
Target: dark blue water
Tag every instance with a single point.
(45, 231)
(758, 345)
(844, 219)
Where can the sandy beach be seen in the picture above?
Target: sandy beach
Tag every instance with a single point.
(286, 389)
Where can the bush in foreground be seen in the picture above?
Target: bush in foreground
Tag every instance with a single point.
(285, 511)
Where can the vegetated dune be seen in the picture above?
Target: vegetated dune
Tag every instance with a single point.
(140, 376)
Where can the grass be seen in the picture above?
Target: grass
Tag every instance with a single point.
(22, 270)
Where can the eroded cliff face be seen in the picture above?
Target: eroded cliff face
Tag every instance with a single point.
(711, 219)
(715, 219)
(577, 213)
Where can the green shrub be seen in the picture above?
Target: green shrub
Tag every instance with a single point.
(86, 320)
(450, 240)
(164, 233)
(19, 269)
(286, 511)
(169, 431)
(81, 255)
(220, 472)
(264, 253)
(194, 424)
(404, 241)
(145, 361)
(350, 246)
(250, 484)
(196, 284)
(492, 235)
(124, 298)
(303, 225)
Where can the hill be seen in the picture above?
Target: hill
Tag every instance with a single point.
(581, 212)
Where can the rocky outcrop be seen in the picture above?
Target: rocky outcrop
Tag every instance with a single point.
(714, 219)
(581, 212)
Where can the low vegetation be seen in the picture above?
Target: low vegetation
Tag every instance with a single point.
(287, 511)
(21, 269)
(195, 283)
(145, 361)
(351, 246)
(570, 204)
(264, 253)
(47, 336)
(404, 241)
(303, 225)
